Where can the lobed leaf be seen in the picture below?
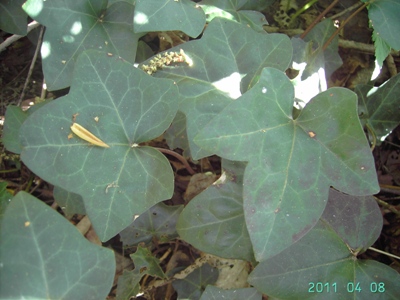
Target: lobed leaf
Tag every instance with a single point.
(227, 61)
(75, 26)
(324, 261)
(287, 179)
(122, 106)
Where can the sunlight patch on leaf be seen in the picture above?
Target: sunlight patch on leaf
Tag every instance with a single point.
(230, 85)
(140, 18)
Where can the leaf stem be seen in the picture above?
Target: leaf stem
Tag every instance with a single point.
(342, 25)
(383, 252)
(178, 156)
(9, 171)
(318, 19)
(387, 206)
(371, 131)
(28, 77)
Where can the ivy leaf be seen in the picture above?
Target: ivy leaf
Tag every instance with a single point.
(384, 16)
(166, 15)
(146, 263)
(156, 224)
(15, 116)
(72, 27)
(213, 221)
(69, 202)
(227, 61)
(292, 162)
(122, 106)
(324, 262)
(193, 285)
(128, 284)
(382, 49)
(36, 242)
(378, 106)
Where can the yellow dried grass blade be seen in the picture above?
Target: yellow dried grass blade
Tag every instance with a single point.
(86, 135)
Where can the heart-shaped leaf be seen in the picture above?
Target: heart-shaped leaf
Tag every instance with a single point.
(36, 243)
(226, 61)
(286, 181)
(123, 107)
(75, 26)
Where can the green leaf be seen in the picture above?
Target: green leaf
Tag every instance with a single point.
(324, 257)
(357, 220)
(227, 61)
(36, 243)
(233, 10)
(5, 198)
(382, 49)
(72, 27)
(146, 263)
(258, 5)
(194, 284)
(158, 223)
(379, 107)
(128, 284)
(384, 16)
(70, 203)
(215, 293)
(14, 119)
(213, 221)
(167, 15)
(176, 135)
(122, 106)
(326, 142)
(12, 18)
(327, 59)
